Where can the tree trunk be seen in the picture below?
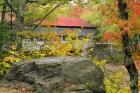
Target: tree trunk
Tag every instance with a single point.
(20, 15)
(20, 21)
(3, 11)
(11, 24)
(128, 60)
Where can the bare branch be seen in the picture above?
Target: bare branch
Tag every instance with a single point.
(10, 6)
(47, 15)
(32, 1)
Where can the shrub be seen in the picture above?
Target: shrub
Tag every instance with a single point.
(114, 80)
(54, 48)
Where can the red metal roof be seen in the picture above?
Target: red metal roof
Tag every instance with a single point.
(68, 22)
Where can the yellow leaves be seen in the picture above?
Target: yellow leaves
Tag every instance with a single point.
(114, 80)
(72, 45)
(115, 83)
(36, 54)
(101, 63)
(124, 90)
(59, 49)
(6, 63)
(11, 59)
(50, 36)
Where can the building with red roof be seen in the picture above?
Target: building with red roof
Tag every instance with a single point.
(71, 22)
(63, 26)
(63, 23)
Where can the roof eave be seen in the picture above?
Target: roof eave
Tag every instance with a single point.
(85, 27)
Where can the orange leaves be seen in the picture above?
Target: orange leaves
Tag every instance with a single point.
(108, 21)
(107, 36)
(135, 16)
(122, 23)
(135, 20)
(112, 36)
(76, 11)
(125, 25)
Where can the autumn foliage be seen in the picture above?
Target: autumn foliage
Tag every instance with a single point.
(76, 11)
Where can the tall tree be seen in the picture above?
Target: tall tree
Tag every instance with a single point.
(128, 60)
(115, 16)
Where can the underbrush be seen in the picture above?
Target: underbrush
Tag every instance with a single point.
(54, 48)
(114, 80)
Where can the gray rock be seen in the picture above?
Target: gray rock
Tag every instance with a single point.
(49, 75)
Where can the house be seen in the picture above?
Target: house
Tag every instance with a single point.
(68, 23)
(62, 24)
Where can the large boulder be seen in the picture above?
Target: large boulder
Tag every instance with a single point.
(58, 75)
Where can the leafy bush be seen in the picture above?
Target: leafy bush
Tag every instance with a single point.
(54, 48)
(115, 58)
(52, 44)
(5, 37)
(114, 83)
(114, 80)
(12, 56)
